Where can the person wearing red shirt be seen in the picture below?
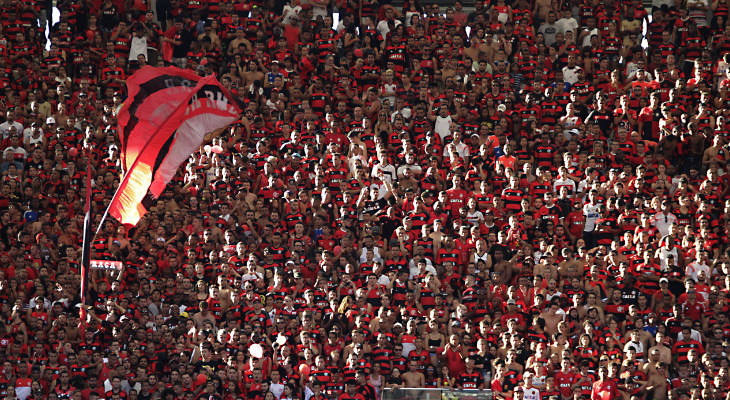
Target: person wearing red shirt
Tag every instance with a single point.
(549, 211)
(454, 354)
(513, 313)
(565, 378)
(456, 196)
(604, 388)
(693, 308)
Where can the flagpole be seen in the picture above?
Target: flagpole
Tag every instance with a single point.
(86, 249)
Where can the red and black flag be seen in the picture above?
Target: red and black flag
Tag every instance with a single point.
(168, 114)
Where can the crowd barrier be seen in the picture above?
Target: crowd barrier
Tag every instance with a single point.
(436, 394)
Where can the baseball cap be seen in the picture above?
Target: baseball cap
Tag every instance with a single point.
(511, 301)
(502, 108)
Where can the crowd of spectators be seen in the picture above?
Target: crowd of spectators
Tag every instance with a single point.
(531, 198)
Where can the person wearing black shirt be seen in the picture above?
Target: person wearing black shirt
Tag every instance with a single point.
(601, 116)
(180, 42)
(370, 207)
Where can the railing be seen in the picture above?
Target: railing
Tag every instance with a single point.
(436, 394)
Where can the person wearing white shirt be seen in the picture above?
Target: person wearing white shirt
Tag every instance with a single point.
(35, 132)
(723, 66)
(411, 165)
(290, 11)
(138, 45)
(531, 392)
(15, 151)
(567, 22)
(387, 170)
(637, 344)
(665, 251)
(389, 17)
(401, 109)
(570, 74)
(587, 184)
(699, 265)
(443, 122)
(587, 32)
(10, 122)
(461, 148)
(421, 267)
(591, 211)
(693, 334)
(660, 3)
(564, 181)
(663, 220)
(276, 386)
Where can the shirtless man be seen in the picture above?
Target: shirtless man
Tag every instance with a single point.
(253, 73)
(547, 268)
(240, 39)
(358, 338)
(552, 318)
(474, 50)
(226, 294)
(448, 70)
(569, 269)
(665, 353)
(657, 382)
(413, 378)
(715, 153)
(203, 315)
(541, 10)
(650, 366)
(488, 49)
(504, 267)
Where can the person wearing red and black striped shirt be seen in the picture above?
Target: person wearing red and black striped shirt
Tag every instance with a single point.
(351, 393)
(449, 252)
(320, 373)
(544, 151)
(364, 388)
(470, 378)
(682, 348)
(513, 195)
(112, 76)
(693, 45)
